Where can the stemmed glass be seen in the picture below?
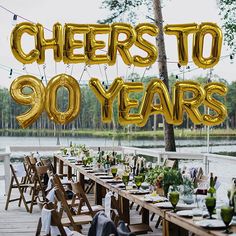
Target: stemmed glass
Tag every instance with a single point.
(174, 199)
(227, 213)
(210, 204)
(114, 171)
(125, 179)
(138, 180)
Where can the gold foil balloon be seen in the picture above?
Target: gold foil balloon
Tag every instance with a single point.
(16, 36)
(125, 103)
(70, 44)
(150, 49)
(92, 44)
(30, 91)
(123, 46)
(149, 107)
(189, 105)
(220, 111)
(55, 43)
(73, 108)
(181, 31)
(198, 45)
(106, 98)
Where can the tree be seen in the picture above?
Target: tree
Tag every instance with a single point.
(228, 15)
(117, 8)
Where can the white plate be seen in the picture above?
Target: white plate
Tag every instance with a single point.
(188, 213)
(211, 224)
(150, 198)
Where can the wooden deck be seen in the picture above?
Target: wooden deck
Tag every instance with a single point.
(17, 222)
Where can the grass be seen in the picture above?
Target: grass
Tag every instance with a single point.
(181, 133)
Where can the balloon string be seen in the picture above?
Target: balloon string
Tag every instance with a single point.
(105, 70)
(82, 74)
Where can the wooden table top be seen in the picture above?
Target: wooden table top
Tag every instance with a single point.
(188, 224)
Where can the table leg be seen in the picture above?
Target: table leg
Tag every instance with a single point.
(55, 163)
(98, 194)
(69, 172)
(145, 216)
(125, 210)
(61, 168)
(81, 180)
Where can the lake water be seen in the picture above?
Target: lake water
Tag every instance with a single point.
(217, 145)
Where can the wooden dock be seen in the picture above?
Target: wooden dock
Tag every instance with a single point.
(17, 222)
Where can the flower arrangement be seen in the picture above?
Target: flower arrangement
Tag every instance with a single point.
(163, 177)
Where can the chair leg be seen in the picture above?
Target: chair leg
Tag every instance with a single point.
(152, 217)
(131, 205)
(158, 222)
(9, 194)
(39, 227)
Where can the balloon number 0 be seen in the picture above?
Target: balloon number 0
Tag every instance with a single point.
(40, 97)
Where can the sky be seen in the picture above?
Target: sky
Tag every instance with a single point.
(73, 11)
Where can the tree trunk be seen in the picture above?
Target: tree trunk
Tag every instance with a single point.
(169, 130)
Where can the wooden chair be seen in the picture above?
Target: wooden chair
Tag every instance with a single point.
(169, 163)
(55, 221)
(74, 221)
(47, 162)
(21, 186)
(39, 185)
(81, 195)
(58, 184)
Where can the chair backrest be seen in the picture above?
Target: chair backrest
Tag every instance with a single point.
(47, 162)
(61, 198)
(55, 219)
(57, 183)
(79, 192)
(169, 163)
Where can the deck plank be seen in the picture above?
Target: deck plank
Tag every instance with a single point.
(17, 222)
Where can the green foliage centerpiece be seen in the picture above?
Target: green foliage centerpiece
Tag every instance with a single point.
(163, 178)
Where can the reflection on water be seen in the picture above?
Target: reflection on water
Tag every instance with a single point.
(217, 144)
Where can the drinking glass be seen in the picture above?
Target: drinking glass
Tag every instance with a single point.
(125, 179)
(114, 171)
(227, 213)
(143, 177)
(174, 199)
(210, 204)
(138, 180)
(85, 161)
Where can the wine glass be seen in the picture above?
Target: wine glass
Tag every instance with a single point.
(85, 161)
(114, 171)
(125, 179)
(174, 199)
(138, 180)
(210, 204)
(227, 213)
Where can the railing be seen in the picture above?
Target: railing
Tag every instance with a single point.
(160, 156)
(5, 157)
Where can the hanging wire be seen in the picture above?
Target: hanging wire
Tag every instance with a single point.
(100, 70)
(82, 73)
(126, 74)
(44, 72)
(117, 67)
(55, 67)
(24, 69)
(71, 71)
(105, 70)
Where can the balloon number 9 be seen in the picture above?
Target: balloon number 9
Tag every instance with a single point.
(28, 90)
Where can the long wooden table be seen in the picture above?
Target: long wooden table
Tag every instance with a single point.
(172, 225)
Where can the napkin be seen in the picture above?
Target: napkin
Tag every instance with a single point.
(108, 204)
(20, 170)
